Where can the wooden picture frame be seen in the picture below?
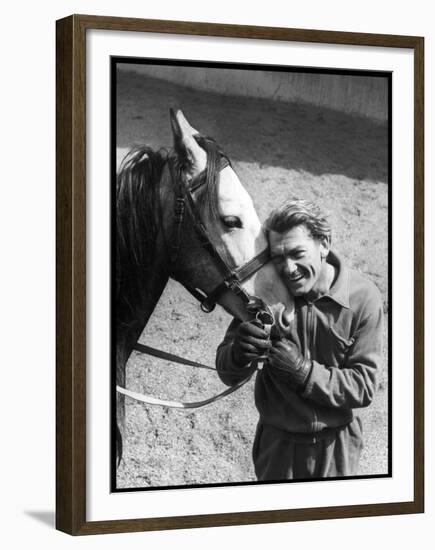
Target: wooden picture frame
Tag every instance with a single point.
(71, 337)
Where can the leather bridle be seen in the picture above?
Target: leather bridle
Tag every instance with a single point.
(232, 279)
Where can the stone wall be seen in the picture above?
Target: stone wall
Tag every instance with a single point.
(363, 95)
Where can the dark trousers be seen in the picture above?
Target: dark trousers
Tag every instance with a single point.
(333, 452)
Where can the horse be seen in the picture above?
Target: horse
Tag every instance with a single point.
(184, 214)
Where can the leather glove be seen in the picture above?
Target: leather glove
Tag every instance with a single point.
(286, 357)
(251, 341)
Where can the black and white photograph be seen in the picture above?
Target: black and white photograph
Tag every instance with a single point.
(250, 274)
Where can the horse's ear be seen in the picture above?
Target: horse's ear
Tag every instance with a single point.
(185, 144)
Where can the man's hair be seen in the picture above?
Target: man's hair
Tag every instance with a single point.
(299, 212)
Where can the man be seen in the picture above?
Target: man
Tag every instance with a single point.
(323, 367)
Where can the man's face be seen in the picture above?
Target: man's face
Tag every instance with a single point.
(298, 258)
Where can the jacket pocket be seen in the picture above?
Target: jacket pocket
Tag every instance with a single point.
(343, 344)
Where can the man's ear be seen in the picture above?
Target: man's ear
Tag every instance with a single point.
(325, 246)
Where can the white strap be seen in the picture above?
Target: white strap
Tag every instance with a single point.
(143, 398)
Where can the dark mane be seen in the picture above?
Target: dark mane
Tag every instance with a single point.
(138, 218)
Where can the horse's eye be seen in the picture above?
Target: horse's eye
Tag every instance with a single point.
(232, 221)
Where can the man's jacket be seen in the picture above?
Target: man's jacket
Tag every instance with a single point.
(341, 333)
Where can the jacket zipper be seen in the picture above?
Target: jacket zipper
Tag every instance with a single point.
(310, 334)
(309, 329)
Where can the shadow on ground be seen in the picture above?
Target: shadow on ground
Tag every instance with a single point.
(47, 517)
(274, 133)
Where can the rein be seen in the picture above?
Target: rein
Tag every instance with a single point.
(232, 280)
(180, 404)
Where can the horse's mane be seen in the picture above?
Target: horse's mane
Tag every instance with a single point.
(137, 221)
(139, 215)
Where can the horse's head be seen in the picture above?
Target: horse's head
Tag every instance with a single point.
(200, 176)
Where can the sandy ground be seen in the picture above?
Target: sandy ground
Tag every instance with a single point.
(279, 151)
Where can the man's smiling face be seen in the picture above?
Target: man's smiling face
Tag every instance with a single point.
(298, 258)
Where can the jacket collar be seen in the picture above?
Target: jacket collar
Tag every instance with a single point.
(339, 291)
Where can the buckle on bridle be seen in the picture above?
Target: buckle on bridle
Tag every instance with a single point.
(208, 305)
(265, 317)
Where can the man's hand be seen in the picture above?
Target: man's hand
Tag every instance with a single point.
(286, 356)
(251, 342)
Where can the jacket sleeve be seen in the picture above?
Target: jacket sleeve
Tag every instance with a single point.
(228, 371)
(353, 384)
